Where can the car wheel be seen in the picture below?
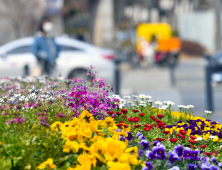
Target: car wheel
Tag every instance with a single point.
(79, 73)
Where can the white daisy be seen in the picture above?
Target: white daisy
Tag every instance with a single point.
(199, 138)
(148, 97)
(127, 97)
(158, 103)
(190, 106)
(212, 137)
(207, 111)
(141, 95)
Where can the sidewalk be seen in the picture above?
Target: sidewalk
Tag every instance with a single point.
(189, 88)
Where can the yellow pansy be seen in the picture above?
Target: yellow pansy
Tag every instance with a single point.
(56, 126)
(109, 121)
(48, 163)
(118, 166)
(71, 145)
(86, 117)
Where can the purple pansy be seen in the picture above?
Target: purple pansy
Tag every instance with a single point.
(159, 151)
(150, 155)
(173, 157)
(191, 167)
(129, 137)
(148, 166)
(187, 153)
(179, 150)
(214, 160)
(144, 144)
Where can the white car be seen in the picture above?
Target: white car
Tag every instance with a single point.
(75, 56)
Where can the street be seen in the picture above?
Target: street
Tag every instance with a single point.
(189, 88)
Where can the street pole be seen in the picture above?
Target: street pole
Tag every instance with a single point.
(217, 6)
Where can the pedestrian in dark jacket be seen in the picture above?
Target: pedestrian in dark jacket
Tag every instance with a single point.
(45, 48)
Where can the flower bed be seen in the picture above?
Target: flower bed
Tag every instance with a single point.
(71, 124)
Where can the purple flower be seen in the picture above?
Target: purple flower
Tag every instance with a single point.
(4, 114)
(144, 144)
(60, 115)
(179, 150)
(213, 167)
(18, 120)
(10, 121)
(220, 164)
(159, 151)
(187, 153)
(148, 166)
(138, 134)
(121, 138)
(155, 143)
(195, 155)
(141, 137)
(140, 152)
(173, 157)
(205, 159)
(43, 123)
(150, 155)
(208, 166)
(129, 137)
(214, 161)
(191, 167)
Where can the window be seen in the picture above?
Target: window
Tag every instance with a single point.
(20, 50)
(68, 48)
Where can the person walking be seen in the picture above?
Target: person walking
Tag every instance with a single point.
(45, 48)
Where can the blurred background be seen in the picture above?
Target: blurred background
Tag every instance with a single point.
(169, 49)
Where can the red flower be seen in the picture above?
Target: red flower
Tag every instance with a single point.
(146, 129)
(153, 118)
(192, 141)
(135, 111)
(208, 153)
(119, 125)
(118, 113)
(166, 132)
(125, 111)
(154, 125)
(110, 112)
(136, 119)
(179, 135)
(192, 146)
(137, 126)
(141, 114)
(160, 116)
(183, 137)
(183, 132)
(126, 126)
(173, 140)
(193, 137)
(163, 123)
(131, 119)
(124, 116)
(160, 124)
(162, 127)
(160, 139)
(158, 121)
(215, 153)
(146, 125)
(203, 146)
